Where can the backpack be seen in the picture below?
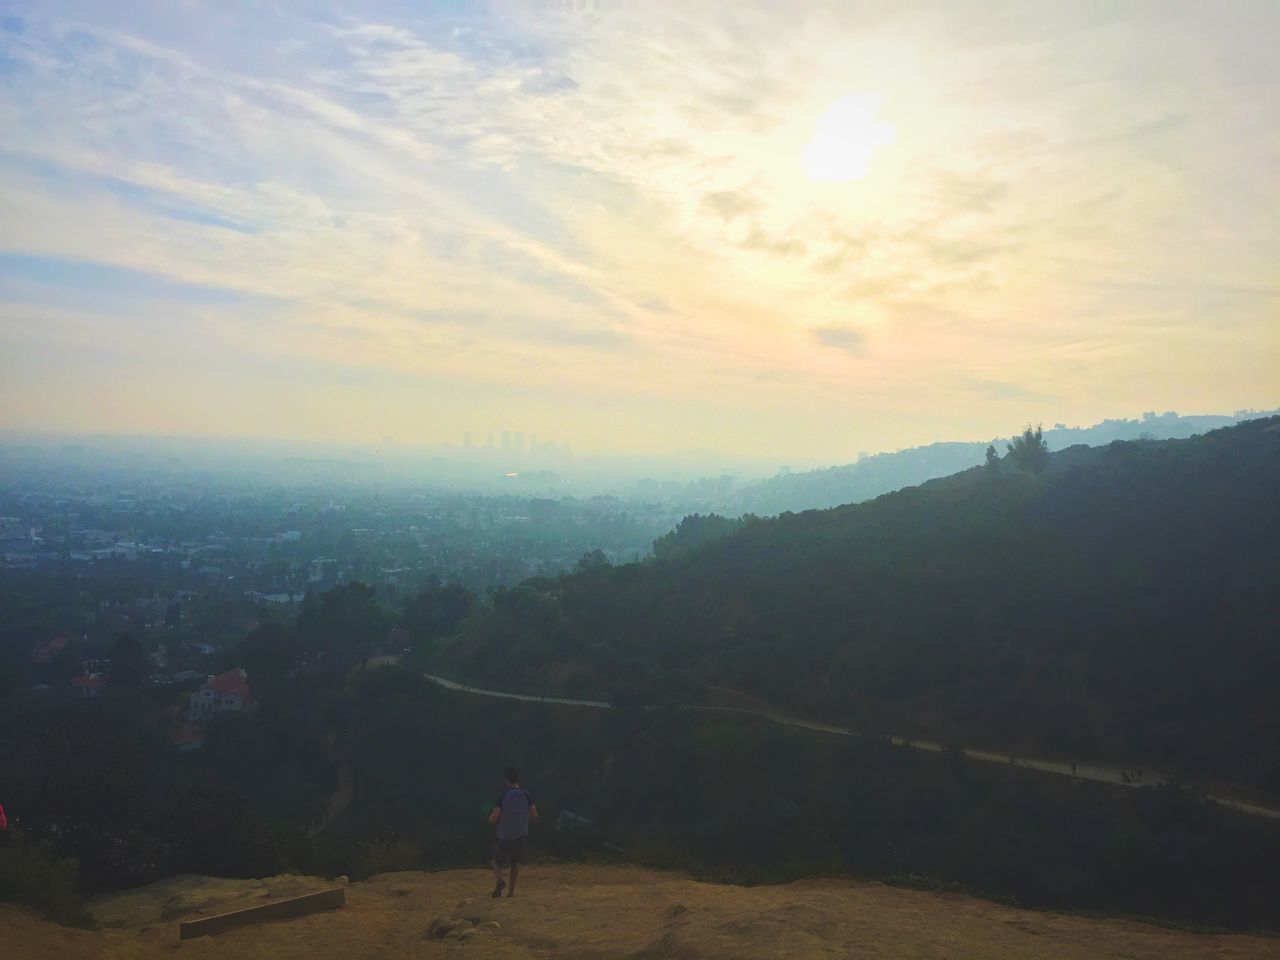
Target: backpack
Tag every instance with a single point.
(514, 821)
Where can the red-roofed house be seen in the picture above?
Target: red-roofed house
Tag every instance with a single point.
(45, 651)
(88, 684)
(225, 693)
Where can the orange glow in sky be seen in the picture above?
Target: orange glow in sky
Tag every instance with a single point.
(783, 230)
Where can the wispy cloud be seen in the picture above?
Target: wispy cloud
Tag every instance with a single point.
(612, 199)
(841, 338)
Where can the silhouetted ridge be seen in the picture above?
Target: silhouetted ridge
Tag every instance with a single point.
(1119, 605)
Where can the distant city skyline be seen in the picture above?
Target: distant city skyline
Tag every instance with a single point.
(789, 231)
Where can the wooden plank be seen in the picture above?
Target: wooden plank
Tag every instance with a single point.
(279, 910)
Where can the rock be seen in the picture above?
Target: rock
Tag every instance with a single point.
(489, 925)
(678, 909)
(343, 880)
(451, 927)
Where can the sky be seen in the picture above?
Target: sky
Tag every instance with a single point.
(773, 229)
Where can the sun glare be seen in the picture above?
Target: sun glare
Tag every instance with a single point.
(845, 138)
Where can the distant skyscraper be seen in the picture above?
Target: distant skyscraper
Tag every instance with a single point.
(533, 443)
(489, 440)
(506, 439)
(517, 441)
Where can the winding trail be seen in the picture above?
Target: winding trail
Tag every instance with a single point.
(338, 801)
(1101, 773)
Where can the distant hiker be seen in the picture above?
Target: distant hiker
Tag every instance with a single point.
(512, 812)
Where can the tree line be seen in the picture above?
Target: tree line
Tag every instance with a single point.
(1111, 603)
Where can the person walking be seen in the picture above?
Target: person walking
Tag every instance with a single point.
(512, 812)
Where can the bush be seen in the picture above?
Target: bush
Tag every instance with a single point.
(385, 856)
(32, 873)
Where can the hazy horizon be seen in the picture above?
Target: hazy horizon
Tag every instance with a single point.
(550, 467)
(786, 234)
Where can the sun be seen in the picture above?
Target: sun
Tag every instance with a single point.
(844, 139)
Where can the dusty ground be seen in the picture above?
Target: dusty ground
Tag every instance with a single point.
(582, 912)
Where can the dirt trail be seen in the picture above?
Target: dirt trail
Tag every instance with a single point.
(1102, 773)
(589, 912)
(338, 801)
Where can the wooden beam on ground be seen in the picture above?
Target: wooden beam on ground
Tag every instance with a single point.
(279, 910)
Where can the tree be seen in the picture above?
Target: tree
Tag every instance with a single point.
(695, 530)
(269, 654)
(455, 603)
(344, 624)
(64, 665)
(437, 611)
(1029, 451)
(593, 560)
(128, 662)
(993, 459)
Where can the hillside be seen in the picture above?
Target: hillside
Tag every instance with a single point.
(1121, 605)
(884, 472)
(593, 911)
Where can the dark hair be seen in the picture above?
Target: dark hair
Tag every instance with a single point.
(512, 775)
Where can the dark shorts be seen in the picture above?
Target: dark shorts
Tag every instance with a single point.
(508, 851)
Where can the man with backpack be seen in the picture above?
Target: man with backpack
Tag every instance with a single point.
(512, 812)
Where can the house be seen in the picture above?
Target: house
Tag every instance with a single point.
(88, 684)
(184, 739)
(226, 693)
(45, 651)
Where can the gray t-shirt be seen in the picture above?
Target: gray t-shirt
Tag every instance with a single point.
(514, 802)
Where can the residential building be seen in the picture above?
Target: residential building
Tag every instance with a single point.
(226, 693)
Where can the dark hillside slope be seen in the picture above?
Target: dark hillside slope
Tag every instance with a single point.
(1124, 604)
(883, 472)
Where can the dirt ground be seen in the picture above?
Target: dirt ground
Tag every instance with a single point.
(581, 912)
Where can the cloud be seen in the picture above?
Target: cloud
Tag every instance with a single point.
(846, 339)
(1002, 390)
(552, 331)
(547, 83)
(757, 239)
(730, 204)
(615, 196)
(52, 278)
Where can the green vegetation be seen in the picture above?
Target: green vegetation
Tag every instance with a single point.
(1029, 451)
(695, 530)
(1114, 602)
(731, 798)
(35, 874)
(1117, 603)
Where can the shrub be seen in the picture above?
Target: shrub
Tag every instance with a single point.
(33, 873)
